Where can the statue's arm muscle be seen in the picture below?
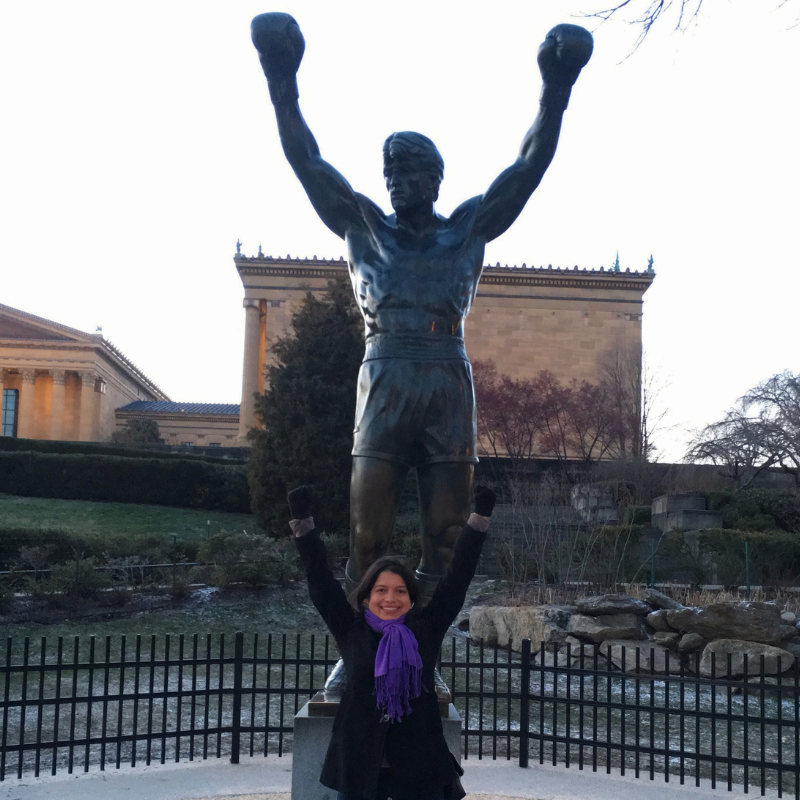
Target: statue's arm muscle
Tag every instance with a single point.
(506, 197)
(331, 195)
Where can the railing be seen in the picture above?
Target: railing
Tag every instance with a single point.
(74, 703)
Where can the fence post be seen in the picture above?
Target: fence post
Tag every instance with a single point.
(524, 702)
(238, 668)
(747, 565)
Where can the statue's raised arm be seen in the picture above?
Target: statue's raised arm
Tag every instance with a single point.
(562, 55)
(280, 46)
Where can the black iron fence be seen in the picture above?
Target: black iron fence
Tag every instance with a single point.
(74, 703)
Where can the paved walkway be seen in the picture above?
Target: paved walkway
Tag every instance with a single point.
(270, 779)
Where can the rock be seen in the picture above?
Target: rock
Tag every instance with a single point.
(790, 617)
(754, 622)
(606, 604)
(738, 648)
(574, 656)
(783, 685)
(611, 626)
(792, 646)
(668, 639)
(652, 657)
(501, 625)
(657, 620)
(690, 642)
(659, 600)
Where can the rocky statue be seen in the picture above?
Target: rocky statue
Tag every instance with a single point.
(414, 274)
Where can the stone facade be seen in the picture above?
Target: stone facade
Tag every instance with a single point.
(66, 384)
(524, 319)
(188, 424)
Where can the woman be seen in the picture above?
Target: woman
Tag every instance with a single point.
(387, 738)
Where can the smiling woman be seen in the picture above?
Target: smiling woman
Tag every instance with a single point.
(387, 738)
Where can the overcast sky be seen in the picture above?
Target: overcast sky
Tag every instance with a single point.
(138, 143)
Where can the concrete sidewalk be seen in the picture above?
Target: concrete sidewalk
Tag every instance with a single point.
(270, 779)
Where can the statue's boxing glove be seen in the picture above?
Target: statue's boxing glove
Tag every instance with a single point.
(280, 46)
(562, 55)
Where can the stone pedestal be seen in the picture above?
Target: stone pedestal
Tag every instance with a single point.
(311, 737)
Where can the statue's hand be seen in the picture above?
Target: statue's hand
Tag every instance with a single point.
(280, 46)
(564, 53)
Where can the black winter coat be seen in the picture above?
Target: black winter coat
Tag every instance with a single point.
(414, 747)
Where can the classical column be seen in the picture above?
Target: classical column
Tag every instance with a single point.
(57, 406)
(86, 423)
(252, 328)
(26, 405)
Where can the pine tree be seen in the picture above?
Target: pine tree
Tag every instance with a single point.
(308, 411)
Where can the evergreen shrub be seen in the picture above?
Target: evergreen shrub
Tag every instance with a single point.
(169, 482)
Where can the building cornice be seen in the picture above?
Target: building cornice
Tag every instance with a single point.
(309, 268)
(120, 413)
(81, 341)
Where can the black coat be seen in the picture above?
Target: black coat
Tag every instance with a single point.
(414, 747)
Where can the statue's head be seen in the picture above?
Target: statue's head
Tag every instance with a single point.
(413, 169)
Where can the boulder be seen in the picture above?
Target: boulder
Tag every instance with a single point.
(738, 648)
(502, 626)
(690, 642)
(659, 600)
(652, 657)
(781, 685)
(754, 622)
(668, 639)
(606, 604)
(610, 626)
(657, 620)
(793, 646)
(575, 656)
(790, 617)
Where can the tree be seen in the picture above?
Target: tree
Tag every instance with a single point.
(761, 431)
(631, 392)
(510, 416)
(138, 432)
(307, 413)
(645, 14)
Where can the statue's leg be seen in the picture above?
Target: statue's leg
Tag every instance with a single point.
(445, 492)
(376, 485)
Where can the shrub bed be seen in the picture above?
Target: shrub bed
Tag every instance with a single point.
(11, 444)
(110, 478)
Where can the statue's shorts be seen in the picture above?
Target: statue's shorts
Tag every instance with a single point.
(414, 411)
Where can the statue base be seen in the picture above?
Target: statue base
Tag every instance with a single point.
(325, 703)
(312, 734)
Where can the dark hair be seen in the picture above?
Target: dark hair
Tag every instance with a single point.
(386, 564)
(415, 148)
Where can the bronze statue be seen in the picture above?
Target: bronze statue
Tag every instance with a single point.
(415, 274)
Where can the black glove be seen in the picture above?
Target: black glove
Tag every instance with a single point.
(485, 499)
(280, 46)
(300, 502)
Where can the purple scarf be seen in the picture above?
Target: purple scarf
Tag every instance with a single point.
(398, 666)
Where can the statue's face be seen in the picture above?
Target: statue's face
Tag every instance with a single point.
(410, 187)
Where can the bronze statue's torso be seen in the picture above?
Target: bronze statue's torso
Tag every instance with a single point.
(408, 285)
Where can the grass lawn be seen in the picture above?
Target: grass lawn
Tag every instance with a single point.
(118, 519)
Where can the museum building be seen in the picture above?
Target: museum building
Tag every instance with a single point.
(61, 383)
(524, 319)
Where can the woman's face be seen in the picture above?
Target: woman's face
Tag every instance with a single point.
(389, 597)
